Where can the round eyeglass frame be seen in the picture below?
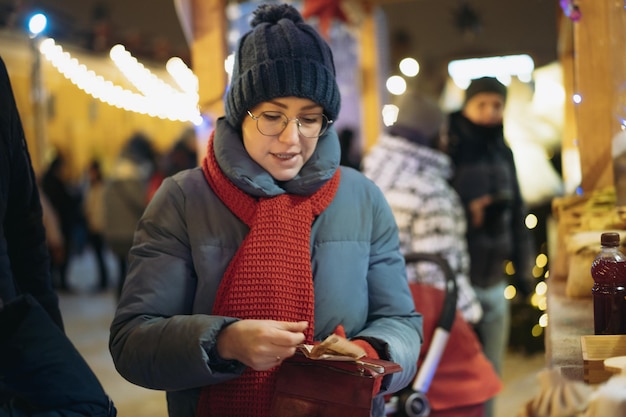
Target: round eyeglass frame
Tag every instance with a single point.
(295, 119)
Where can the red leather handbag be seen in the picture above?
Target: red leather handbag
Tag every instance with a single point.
(327, 388)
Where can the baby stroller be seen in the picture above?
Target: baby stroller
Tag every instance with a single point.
(412, 401)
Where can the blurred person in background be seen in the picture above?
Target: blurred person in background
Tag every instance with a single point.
(93, 208)
(350, 156)
(182, 155)
(67, 205)
(485, 178)
(126, 193)
(407, 163)
(42, 373)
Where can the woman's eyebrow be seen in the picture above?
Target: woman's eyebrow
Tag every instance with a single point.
(307, 107)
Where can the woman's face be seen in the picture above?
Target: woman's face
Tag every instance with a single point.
(485, 109)
(281, 155)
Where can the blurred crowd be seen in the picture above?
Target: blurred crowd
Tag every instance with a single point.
(99, 210)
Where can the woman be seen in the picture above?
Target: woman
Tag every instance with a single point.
(267, 245)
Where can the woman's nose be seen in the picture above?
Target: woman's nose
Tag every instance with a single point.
(291, 132)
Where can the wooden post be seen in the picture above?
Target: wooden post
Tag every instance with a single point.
(598, 69)
(565, 49)
(369, 76)
(208, 53)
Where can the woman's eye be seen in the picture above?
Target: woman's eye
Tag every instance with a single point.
(271, 117)
(309, 119)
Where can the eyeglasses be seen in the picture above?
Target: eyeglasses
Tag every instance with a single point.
(273, 123)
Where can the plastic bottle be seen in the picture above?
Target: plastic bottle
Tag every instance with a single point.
(609, 289)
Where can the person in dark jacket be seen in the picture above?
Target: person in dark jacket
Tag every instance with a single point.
(24, 256)
(93, 209)
(41, 373)
(486, 180)
(66, 205)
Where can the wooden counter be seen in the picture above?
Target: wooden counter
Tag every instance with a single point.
(568, 319)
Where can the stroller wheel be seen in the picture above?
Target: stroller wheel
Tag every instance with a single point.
(413, 404)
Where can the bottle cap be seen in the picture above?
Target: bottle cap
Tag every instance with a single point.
(609, 239)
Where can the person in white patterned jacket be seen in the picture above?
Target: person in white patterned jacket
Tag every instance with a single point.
(413, 173)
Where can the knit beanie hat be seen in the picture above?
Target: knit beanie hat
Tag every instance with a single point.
(485, 85)
(281, 56)
(419, 119)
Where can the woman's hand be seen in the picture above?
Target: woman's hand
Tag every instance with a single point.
(260, 344)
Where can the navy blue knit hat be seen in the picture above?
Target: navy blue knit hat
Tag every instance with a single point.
(281, 56)
(485, 85)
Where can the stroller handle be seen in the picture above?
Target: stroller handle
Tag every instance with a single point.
(412, 401)
(446, 318)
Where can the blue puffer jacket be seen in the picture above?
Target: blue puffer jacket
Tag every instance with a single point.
(163, 327)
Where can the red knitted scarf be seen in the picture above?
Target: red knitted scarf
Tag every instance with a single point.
(269, 277)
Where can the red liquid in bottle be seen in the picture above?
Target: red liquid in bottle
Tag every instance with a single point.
(609, 295)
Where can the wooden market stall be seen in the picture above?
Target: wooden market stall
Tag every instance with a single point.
(592, 51)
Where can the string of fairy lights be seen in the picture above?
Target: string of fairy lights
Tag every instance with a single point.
(156, 97)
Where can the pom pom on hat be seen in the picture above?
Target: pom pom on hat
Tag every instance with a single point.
(281, 56)
(485, 85)
(419, 119)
